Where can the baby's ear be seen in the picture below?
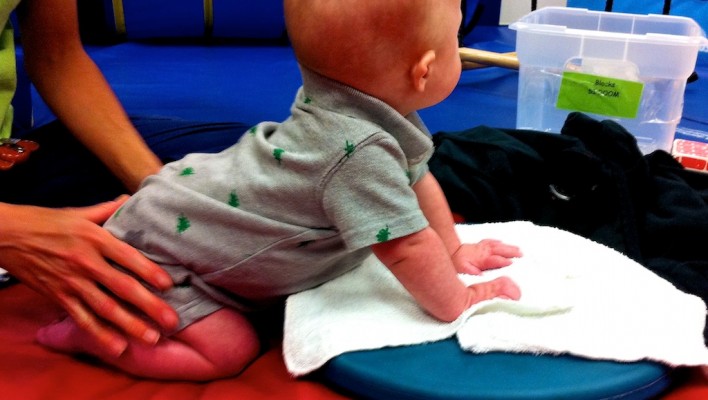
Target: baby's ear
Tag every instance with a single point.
(421, 70)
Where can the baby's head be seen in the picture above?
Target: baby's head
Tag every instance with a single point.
(403, 52)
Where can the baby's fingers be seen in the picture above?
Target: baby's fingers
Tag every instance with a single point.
(503, 249)
(496, 261)
(469, 268)
(502, 287)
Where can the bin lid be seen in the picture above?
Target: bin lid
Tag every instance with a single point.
(653, 28)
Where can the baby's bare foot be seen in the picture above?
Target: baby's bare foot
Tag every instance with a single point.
(65, 336)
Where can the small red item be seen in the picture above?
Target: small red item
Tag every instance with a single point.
(15, 151)
(692, 155)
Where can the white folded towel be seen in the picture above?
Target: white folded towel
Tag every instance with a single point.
(578, 297)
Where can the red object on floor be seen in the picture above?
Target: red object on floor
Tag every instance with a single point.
(28, 371)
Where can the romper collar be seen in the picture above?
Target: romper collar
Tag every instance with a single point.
(410, 131)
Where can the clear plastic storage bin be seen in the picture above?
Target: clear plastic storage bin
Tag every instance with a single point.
(625, 67)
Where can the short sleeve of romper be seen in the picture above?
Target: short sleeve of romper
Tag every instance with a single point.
(370, 195)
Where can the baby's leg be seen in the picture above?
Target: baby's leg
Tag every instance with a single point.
(219, 345)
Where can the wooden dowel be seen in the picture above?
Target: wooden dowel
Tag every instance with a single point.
(473, 58)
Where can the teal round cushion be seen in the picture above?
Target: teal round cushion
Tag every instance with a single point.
(441, 370)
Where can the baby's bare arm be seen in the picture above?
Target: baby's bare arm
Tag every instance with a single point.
(470, 258)
(434, 205)
(422, 263)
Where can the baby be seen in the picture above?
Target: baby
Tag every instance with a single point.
(298, 203)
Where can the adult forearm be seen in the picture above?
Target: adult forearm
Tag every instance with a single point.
(81, 98)
(74, 88)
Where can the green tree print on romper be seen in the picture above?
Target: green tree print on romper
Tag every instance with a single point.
(383, 235)
(233, 199)
(348, 148)
(278, 154)
(182, 223)
(252, 131)
(307, 100)
(187, 171)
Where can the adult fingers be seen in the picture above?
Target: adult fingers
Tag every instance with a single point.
(132, 260)
(99, 213)
(109, 340)
(110, 310)
(131, 291)
(120, 252)
(121, 284)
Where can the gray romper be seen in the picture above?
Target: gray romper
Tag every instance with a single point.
(288, 207)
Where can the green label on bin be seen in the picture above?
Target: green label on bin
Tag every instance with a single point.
(599, 95)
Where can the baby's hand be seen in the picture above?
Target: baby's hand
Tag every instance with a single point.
(473, 258)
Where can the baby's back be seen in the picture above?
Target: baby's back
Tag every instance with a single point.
(239, 219)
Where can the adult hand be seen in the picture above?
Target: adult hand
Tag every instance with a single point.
(62, 253)
(473, 258)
